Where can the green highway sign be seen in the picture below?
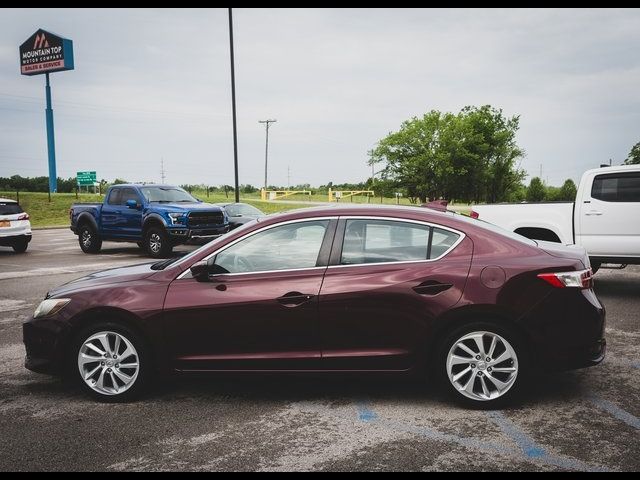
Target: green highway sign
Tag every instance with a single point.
(86, 178)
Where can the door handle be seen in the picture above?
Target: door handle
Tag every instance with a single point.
(294, 299)
(431, 287)
(593, 212)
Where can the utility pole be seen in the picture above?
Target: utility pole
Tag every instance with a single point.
(540, 171)
(162, 172)
(233, 107)
(288, 177)
(267, 123)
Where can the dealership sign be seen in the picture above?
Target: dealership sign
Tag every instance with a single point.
(45, 52)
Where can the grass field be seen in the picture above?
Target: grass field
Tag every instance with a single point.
(56, 213)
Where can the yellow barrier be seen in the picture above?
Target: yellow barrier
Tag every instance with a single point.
(337, 195)
(278, 194)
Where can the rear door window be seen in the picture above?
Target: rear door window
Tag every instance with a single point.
(617, 187)
(382, 241)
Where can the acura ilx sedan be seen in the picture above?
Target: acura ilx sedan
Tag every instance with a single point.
(354, 289)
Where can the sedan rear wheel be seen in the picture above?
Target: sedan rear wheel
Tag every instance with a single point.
(482, 365)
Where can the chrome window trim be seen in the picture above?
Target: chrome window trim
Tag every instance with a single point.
(462, 236)
(255, 232)
(404, 220)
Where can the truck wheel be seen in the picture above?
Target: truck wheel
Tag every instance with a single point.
(158, 243)
(20, 246)
(89, 240)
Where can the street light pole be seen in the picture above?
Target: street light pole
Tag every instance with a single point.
(266, 148)
(233, 107)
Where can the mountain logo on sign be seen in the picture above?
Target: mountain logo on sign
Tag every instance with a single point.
(40, 42)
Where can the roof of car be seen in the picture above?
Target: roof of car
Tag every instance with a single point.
(7, 200)
(141, 185)
(398, 211)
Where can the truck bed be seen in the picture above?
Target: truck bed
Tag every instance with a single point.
(550, 221)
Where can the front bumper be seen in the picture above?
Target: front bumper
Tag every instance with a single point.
(196, 235)
(44, 340)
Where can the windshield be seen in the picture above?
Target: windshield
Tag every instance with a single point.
(166, 195)
(9, 208)
(235, 209)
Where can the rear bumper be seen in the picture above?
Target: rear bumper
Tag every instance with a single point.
(7, 241)
(566, 331)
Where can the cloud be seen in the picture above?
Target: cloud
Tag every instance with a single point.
(155, 83)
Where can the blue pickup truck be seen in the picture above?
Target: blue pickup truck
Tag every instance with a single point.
(156, 217)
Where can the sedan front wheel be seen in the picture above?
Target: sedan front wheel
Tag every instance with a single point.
(111, 362)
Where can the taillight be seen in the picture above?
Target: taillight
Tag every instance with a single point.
(24, 216)
(577, 279)
(474, 214)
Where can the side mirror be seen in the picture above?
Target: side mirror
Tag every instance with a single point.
(200, 271)
(132, 204)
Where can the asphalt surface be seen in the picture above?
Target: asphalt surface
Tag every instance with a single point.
(581, 420)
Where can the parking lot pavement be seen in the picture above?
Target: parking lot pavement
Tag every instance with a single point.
(582, 420)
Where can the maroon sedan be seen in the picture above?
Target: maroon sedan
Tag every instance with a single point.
(340, 289)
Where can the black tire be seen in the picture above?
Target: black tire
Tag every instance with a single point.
(89, 239)
(157, 242)
(20, 246)
(512, 393)
(143, 379)
(595, 266)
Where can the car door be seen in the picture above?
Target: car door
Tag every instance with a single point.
(608, 216)
(132, 217)
(262, 312)
(387, 280)
(112, 221)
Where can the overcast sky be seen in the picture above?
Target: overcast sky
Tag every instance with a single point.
(152, 84)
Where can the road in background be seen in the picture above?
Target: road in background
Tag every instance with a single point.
(584, 420)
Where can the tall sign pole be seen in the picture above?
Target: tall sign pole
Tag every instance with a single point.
(51, 143)
(266, 148)
(46, 52)
(233, 107)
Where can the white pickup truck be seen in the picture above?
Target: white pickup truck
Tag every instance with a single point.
(604, 219)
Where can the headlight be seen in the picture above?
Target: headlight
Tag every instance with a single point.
(50, 307)
(177, 218)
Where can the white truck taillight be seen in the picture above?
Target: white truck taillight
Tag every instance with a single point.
(24, 216)
(474, 214)
(577, 279)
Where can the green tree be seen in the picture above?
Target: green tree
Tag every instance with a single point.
(634, 155)
(568, 191)
(469, 156)
(536, 191)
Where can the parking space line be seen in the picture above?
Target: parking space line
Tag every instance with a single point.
(616, 411)
(365, 414)
(527, 444)
(527, 449)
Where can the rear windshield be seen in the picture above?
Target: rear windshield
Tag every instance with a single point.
(496, 229)
(10, 208)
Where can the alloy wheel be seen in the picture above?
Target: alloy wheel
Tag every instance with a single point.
(155, 243)
(109, 363)
(482, 366)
